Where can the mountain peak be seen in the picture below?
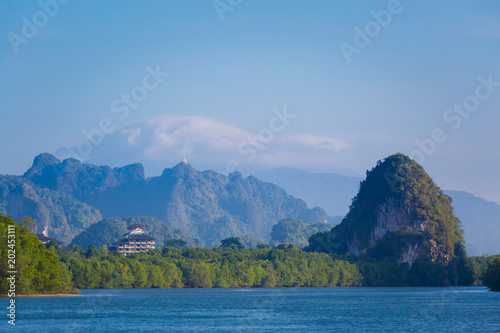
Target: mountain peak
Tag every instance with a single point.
(40, 162)
(399, 214)
(184, 164)
(182, 168)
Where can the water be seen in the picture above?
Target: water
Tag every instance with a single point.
(461, 309)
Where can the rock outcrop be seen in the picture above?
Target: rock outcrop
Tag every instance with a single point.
(399, 214)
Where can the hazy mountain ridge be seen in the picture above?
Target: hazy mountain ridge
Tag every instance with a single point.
(204, 205)
(331, 191)
(61, 216)
(480, 220)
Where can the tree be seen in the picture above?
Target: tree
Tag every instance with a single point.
(28, 223)
(175, 243)
(198, 276)
(104, 250)
(156, 279)
(92, 251)
(492, 278)
(231, 242)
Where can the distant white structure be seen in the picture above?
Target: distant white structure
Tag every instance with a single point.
(134, 241)
(46, 240)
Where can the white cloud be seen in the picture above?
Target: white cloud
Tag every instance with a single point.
(184, 136)
(132, 134)
(318, 142)
(162, 142)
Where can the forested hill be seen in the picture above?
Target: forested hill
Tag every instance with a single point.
(296, 231)
(400, 215)
(204, 205)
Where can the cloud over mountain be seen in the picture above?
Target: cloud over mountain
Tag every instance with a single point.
(207, 143)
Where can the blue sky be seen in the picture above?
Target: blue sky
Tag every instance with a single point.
(225, 78)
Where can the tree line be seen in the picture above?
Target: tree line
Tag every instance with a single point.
(45, 269)
(223, 267)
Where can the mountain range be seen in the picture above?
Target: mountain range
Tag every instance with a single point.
(66, 197)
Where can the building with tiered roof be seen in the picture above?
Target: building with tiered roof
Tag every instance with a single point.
(46, 240)
(134, 241)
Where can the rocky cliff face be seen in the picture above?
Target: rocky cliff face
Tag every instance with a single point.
(390, 217)
(399, 214)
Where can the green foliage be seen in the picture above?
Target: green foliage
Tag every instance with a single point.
(381, 274)
(428, 273)
(175, 243)
(92, 251)
(28, 223)
(206, 268)
(296, 231)
(104, 232)
(38, 268)
(231, 242)
(247, 241)
(197, 275)
(460, 270)
(480, 266)
(492, 277)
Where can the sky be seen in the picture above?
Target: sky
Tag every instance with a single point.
(326, 86)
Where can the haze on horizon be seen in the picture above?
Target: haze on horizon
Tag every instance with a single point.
(172, 80)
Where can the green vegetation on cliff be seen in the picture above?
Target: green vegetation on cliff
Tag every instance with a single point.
(398, 200)
(400, 216)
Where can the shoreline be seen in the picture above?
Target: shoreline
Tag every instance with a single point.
(236, 288)
(42, 295)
